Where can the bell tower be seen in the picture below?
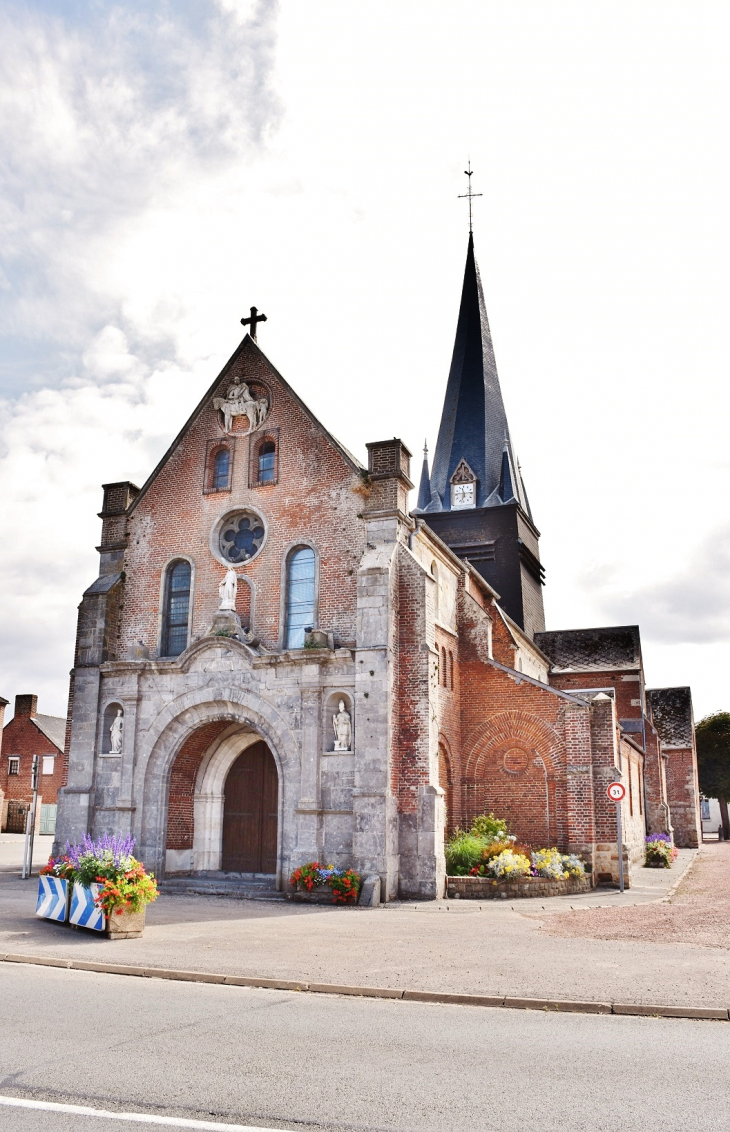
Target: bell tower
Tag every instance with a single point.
(477, 501)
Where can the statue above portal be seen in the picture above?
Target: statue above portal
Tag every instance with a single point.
(342, 724)
(228, 589)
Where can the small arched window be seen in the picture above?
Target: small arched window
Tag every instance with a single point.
(300, 596)
(177, 608)
(221, 469)
(444, 669)
(267, 462)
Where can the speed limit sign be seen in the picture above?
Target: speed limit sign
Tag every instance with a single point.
(616, 791)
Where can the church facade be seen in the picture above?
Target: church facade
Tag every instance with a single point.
(281, 661)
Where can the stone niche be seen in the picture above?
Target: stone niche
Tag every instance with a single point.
(332, 709)
(106, 742)
(338, 768)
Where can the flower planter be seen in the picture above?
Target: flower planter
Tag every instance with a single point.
(52, 901)
(316, 896)
(484, 888)
(126, 924)
(84, 912)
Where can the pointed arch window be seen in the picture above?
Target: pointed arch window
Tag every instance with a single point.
(177, 609)
(300, 596)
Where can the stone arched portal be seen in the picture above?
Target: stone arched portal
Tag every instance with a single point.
(223, 802)
(239, 712)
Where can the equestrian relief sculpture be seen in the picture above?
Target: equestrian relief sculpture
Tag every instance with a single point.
(240, 402)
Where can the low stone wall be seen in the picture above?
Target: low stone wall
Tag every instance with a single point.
(482, 888)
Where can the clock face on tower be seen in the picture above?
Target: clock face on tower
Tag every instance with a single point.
(462, 495)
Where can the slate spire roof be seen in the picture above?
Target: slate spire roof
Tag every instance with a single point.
(473, 423)
(424, 487)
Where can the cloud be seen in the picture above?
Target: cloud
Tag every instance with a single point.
(693, 607)
(104, 113)
(110, 117)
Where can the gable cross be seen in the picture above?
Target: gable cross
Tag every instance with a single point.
(253, 321)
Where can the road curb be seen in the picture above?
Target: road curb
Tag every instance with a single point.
(553, 1005)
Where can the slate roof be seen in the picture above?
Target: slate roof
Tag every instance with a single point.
(424, 487)
(671, 711)
(53, 727)
(474, 423)
(592, 650)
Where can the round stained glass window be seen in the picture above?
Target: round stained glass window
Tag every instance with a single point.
(241, 536)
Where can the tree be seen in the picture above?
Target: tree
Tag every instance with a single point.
(713, 761)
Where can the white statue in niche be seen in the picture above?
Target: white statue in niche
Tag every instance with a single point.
(239, 402)
(116, 731)
(228, 589)
(342, 724)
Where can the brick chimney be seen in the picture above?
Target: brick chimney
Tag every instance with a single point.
(389, 465)
(26, 705)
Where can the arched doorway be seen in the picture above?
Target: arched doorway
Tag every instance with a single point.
(250, 812)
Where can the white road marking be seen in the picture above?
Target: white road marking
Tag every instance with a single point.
(140, 1117)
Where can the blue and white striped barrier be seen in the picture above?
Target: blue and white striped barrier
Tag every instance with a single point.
(52, 898)
(84, 913)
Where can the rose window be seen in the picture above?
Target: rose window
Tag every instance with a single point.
(241, 537)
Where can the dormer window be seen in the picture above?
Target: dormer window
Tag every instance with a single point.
(463, 488)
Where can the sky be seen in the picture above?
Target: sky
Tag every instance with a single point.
(166, 166)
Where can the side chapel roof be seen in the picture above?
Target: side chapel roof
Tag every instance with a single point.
(474, 423)
(671, 712)
(601, 650)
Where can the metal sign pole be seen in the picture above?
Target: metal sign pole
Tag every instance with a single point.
(30, 826)
(620, 849)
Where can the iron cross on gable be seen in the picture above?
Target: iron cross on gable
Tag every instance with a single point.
(253, 321)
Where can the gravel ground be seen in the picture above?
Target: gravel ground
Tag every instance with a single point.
(698, 913)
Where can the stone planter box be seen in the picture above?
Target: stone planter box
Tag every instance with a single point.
(127, 924)
(316, 896)
(483, 888)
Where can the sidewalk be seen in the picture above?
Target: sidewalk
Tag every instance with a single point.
(533, 949)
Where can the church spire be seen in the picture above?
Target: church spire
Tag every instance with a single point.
(473, 423)
(424, 487)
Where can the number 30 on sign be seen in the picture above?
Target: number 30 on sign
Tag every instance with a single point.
(616, 791)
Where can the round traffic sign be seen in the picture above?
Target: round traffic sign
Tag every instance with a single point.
(616, 791)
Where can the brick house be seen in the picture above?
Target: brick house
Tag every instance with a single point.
(280, 661)
(28, 734)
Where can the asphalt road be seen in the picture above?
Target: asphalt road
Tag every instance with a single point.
(275, 1059)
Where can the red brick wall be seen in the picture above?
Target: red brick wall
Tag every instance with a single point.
(317, 499)
(684, 803)
(182, 783)
(625, 690)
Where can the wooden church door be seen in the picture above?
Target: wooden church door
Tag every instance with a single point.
(250, 813)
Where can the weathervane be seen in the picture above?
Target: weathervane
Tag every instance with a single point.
(253, 321)
(469, 194)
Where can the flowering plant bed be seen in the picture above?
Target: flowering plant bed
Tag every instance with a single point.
(321, 884)
(488, 852)
(111, 888)
(659, 852)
